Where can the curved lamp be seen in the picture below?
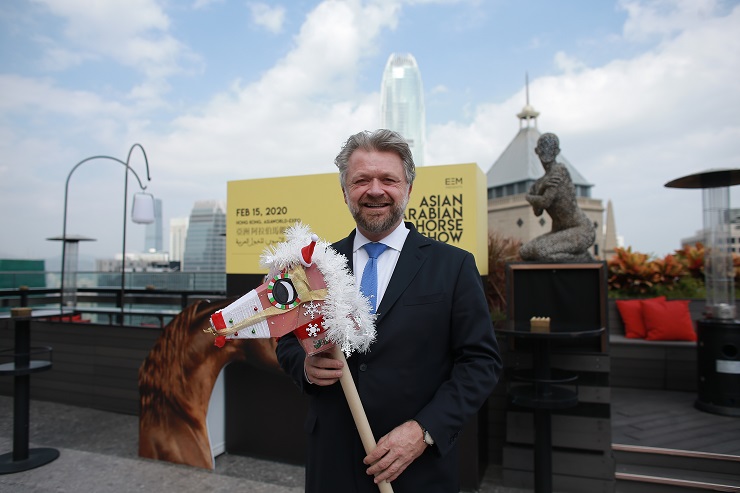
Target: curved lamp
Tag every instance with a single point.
(142, 212)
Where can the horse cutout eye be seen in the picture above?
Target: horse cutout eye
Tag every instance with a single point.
(282, 293)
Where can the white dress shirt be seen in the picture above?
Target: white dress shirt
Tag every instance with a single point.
(386, 261)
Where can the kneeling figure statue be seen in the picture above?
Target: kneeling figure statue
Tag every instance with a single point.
(572, 232)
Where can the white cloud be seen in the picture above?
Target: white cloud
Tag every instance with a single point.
(664, 17)
(42, 96)
(134, 34)
(271, 18)
(442, 2)
(58, 59)
(202, 4)
(438, 89)
(568, 64)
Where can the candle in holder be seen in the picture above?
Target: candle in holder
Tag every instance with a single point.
(539, 324)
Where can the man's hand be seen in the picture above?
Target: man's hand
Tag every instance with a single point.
(395, 451)
(321, 369)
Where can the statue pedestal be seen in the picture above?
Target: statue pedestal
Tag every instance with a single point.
(558, 414)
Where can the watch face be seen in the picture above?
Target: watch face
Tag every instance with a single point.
(428, 438)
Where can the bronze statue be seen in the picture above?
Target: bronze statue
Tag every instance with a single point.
(572, 232)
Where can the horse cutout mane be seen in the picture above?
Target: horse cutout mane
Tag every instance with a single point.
(176, 380)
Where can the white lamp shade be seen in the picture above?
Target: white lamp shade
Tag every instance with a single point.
(142, 211)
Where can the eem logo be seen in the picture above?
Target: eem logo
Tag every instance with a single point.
(453, 182)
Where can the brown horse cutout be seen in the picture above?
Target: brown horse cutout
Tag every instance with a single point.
(176, 380)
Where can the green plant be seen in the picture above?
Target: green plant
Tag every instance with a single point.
(686, 287)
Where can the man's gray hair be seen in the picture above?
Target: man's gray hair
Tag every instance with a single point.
(382, 140)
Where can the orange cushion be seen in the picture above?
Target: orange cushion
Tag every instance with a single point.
(631, 313)
(668, 320)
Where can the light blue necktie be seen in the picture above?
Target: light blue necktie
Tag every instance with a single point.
(369, 281)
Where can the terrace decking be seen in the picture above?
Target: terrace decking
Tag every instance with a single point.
(668, 419)
(662, 443)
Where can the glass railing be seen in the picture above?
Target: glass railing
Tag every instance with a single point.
(150, 297)
(173, 281)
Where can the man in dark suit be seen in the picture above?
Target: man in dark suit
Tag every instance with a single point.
(435, 359)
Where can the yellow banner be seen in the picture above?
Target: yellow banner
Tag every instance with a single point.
(447, 203)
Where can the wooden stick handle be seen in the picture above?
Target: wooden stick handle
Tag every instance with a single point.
(358, 412)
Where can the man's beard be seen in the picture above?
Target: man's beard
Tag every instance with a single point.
(378, 224)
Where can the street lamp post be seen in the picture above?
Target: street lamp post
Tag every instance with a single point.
(140, 213)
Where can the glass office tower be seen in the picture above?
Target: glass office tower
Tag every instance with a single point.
(205, 245)
(153, 233)
(402, 102)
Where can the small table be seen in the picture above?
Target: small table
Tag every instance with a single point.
(548, 389)
(22, 458)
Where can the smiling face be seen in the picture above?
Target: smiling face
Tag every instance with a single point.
(376, 191)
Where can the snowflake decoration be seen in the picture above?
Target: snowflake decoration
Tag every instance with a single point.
(312, 310)
(312, 330)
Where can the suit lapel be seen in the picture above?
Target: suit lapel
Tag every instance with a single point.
(409, 263)
(344, 247)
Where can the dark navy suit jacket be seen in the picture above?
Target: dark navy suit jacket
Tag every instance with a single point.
(435, 360)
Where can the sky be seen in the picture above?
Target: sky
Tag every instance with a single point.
(639, 93)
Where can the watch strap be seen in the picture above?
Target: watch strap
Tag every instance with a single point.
(425, 435)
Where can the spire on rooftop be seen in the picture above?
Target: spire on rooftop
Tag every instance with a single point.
(528, 113)
(519, 166)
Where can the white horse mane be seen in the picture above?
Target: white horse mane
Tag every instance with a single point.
(347, 316)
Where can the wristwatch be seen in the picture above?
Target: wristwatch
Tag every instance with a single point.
(427, 437)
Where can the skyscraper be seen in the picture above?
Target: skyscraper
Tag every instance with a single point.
(178, 234)
(402, 102)
(205, 245)
(153, 233)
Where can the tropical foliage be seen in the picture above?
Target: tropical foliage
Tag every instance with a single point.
(677, 275)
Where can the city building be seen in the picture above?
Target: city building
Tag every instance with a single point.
(153, 233)
(205, 245)
(136, 262)
(178, 235)
(402, 102)
(612, 240)
(514, 172)
(734, 236)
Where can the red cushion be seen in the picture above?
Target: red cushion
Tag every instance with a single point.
(631, 313)
(668, 320)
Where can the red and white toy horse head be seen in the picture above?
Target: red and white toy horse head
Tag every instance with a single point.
(309, 291)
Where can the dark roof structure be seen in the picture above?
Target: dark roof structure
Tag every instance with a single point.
(519, 164)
